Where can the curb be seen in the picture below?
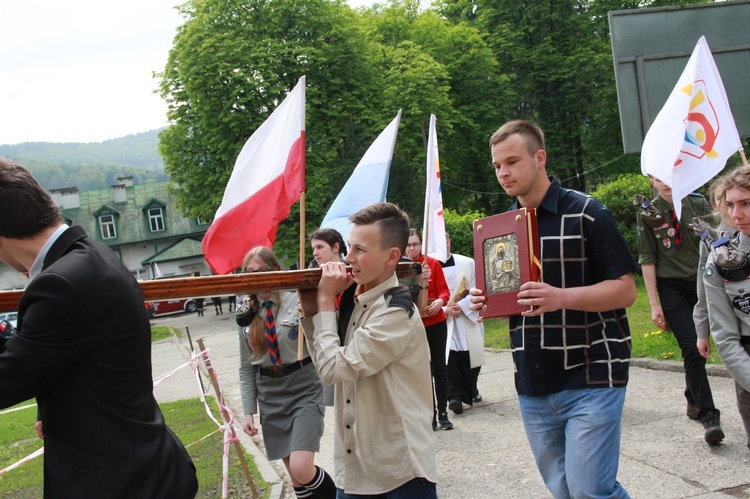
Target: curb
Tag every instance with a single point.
(657, 365)
(279, 489)
(676, 366)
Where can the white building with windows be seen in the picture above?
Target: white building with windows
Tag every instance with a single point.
(139, 222)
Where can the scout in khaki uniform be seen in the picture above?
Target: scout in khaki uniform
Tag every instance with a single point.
(668, 254)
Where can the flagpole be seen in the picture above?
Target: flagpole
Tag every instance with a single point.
(426, 220)
(423, 298)
(303, 189)
(300, 339)
(742, 155)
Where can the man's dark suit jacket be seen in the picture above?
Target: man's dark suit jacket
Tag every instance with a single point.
(83, 349)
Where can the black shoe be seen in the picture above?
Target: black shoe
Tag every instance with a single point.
(456, 406)
(693, 411)
(714, 434)
(476, 398)
(445, 422)
(434, 424)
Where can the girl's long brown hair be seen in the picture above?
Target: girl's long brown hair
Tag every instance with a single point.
(256, 337)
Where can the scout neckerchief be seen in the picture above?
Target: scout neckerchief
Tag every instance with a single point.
(271, 339)
(676, 225)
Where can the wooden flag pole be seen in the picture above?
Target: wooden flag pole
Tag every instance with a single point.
(225, 417)
(300, 337)
(218, 285)
(744, 159)
(422, 298)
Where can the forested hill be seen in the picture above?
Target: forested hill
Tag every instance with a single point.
(91, 166)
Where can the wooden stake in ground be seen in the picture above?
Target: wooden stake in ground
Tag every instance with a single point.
(225, 417)
(192, 352)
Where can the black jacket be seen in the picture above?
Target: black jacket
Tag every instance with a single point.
(83, 349)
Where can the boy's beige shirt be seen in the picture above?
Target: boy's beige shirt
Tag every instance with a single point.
(383, 393)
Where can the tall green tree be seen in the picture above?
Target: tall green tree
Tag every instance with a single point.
(451, 72)
(558, 65)
(232, 62)
(417, 84)
(558, 56)
(481, 97)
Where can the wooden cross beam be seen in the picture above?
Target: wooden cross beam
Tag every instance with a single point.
(223, 285)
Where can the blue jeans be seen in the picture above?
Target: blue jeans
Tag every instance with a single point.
(575, 438)
(417, 488)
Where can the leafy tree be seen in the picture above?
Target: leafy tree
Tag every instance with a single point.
(474, 100)
(417, 84)
(232, 62)
(558, 57)
(481, 98)
(558, 67)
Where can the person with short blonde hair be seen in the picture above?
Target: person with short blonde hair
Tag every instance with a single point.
(571, 349)
(375, 352)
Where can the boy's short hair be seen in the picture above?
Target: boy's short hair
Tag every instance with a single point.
(530, 131)
(392, 220)
(25, 207)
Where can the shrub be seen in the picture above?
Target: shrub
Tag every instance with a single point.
(460, 229)
(618, 197)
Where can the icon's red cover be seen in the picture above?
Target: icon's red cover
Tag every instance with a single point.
(506, 255)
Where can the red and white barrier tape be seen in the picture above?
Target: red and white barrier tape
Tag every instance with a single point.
(226, 428)
(25, 460)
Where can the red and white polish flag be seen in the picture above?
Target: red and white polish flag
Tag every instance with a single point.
(267, 179)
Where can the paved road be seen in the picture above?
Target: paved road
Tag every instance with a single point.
(663, 454)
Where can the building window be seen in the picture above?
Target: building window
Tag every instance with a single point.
(200, 221)
(156, 219)
(107, 226)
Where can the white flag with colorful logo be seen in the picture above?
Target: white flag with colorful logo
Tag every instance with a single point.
(694, 134)
(368, 183)
(434, 223)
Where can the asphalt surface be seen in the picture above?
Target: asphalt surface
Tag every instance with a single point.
(662, 455)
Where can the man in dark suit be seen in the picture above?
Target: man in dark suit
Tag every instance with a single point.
(83, 349)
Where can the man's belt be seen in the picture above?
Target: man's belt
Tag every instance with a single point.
(284, 369)
(690, 278)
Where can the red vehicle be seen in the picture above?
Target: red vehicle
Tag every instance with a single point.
(170, 306)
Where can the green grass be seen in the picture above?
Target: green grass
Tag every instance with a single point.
(17, 440)
(647, 340)
(164, 332)
(187, 418)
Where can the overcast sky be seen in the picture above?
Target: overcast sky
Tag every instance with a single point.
(81, 70)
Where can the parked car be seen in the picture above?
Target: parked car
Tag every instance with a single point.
(170, 306)
(149, 310)
(11, 317)
(6, 329)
